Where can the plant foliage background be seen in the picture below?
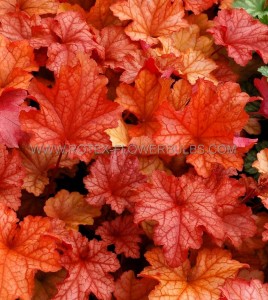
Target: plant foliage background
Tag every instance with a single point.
(133, 149)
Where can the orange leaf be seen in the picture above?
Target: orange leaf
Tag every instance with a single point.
(201, 282)
(74, 112)
(71, 208)
(226, 4)
(37, 163)
(84, 4)
(75, 6)
(197, 6)
(45, 284)
(16, 63)
(241, 34)
(201, 21)
(113, 180)
(31, 7)
(183, 208)
(123, 233)
(181, 94)
(88, 264)
(207, 125)
(24, 249)
(128, 287)
(150, 19)
(11, 178)
(100, 15)
(143, 100)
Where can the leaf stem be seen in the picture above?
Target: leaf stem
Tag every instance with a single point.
(217, 50)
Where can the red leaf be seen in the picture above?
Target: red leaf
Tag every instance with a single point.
(206, 126)
(132, 64)
(123, 233)
(11, 178)
(262, 86)
(73, 36)
(265, 233)
(241, 34)
(183, 208)
(88, 264)
(74, 112)
(113, 180)
(19, 26)
(24, 249)
(237, 218)
(10, 101)
(116, 46)
(241, 289)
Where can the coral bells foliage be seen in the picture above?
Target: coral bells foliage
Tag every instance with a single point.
(133, 149)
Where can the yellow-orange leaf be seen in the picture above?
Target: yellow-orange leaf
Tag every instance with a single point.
(31, 7)
(37, 163)
(262, 161)
(186, 38)
(181, 94)
(71, 208)
(151, 19)
(195, 65)
(202, 282)
(119, 135)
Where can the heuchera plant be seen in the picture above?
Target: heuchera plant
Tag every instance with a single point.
(133, 149)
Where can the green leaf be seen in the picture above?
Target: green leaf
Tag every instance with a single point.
(256, 8)
(253, 106)
(264, 70)
(264, 19)
(261, 145)
(248, 161)
(251, 156)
